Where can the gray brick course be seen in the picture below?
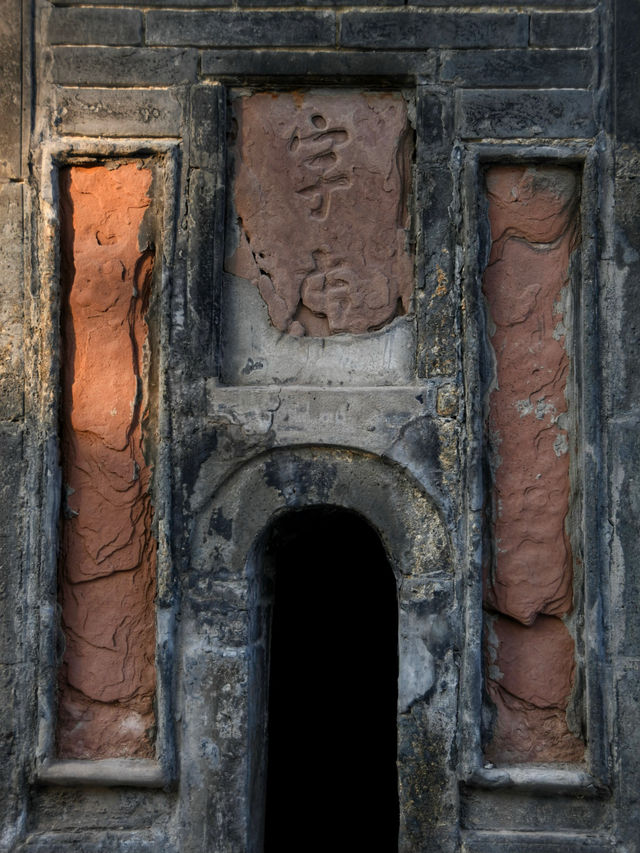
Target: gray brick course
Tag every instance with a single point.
(563, 29)
(123, 66)
(410, 30)
(112, 112)
(561, 113)
(570, 69)
(301, 64)
(240, 29)
(95, 26)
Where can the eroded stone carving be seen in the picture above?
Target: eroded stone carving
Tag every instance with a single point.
(320, 193)
(532, 212)
(107, 560)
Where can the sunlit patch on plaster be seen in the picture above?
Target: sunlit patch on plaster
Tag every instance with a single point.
(107, 558)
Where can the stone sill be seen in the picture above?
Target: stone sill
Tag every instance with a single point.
(106, 772)
(539, 778)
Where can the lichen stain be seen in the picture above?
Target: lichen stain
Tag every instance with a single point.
(320, 192)
(533, 218)
(107, 565)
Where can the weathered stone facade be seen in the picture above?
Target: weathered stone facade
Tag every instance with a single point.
(366, 273)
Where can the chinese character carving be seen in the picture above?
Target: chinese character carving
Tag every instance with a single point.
(321, 201)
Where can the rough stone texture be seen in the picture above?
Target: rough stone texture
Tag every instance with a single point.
(107, 558)
(95, 26)
(320, 192)
(530, 678)
(532, 214)
(571, 69)
(521, 113)
(11, 302)
(558, 29)
(411, 30)
(13, 667)
(107, 112)
(11, 90)
(123, 66)
(298, 63)
(239, 29)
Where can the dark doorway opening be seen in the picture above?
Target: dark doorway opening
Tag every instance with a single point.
(331, 779)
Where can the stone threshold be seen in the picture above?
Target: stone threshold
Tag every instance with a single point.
(106, 772)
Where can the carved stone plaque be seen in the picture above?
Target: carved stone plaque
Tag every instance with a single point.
(320, 193)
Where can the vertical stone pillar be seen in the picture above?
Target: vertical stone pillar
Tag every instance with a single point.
(530, 652)
(107, 574)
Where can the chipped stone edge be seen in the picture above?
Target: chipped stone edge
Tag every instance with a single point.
(467, 161)
(540, 778)
(44, 457)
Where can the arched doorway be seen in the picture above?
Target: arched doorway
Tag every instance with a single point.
(332, 609)
(231, 594)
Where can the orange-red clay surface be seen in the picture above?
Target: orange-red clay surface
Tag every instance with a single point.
(107, 564)
(530, 653)
(321, 196)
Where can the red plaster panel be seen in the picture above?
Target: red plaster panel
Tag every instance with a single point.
(320, 192)
(531, 676)
(528, 268)
(533, 216)
(107, 560)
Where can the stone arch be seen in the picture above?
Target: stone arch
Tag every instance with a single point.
(405, 517)
(227, 556)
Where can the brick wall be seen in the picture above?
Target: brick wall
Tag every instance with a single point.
(542, 80)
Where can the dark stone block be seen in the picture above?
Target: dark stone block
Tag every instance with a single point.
(436, 301)
(434, 133)
(123, 66)
(628, 750)
(95, 26)
(558, 29)
(265, 63)
(566, 69)
(147, 3)
(510, 810)
(207, 126)
(625, 468)
(411, 30)
(118, 112)
(231, 29)
(206, 224)
(627, 71)
(303, 3)
(624, 377)
(542, 4)
(520, 113)
(11, 501)
(12, 676)
(536, 842)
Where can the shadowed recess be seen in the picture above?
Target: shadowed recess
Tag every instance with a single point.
(333, 672)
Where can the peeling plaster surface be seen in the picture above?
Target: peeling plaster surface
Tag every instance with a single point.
(107, 560)
(321, 198)
(532, 212)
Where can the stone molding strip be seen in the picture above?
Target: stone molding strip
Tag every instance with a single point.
(539, 778)
(106, 772)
